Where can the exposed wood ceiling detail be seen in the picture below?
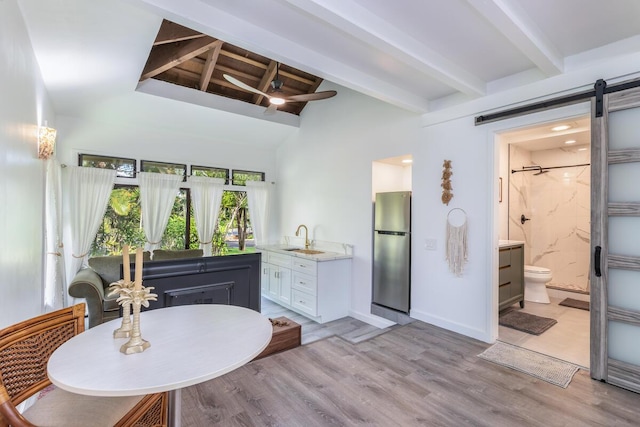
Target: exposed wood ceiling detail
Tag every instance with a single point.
(189, 58)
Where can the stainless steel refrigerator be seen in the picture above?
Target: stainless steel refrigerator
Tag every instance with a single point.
(392, 250)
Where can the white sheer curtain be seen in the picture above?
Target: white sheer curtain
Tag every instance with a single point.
(89, 192)
(158, 192)
(258, 194)
(206, 194)
(54, 279)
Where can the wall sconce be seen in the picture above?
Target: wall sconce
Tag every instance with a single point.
(46, 142)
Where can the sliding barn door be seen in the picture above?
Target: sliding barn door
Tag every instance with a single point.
(615, 238)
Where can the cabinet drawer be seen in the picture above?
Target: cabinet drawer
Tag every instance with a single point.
(504, 257)
(305, 266)
(279, 259)
(304, 302)
(504, 275)
(304, 282)
(505, 292)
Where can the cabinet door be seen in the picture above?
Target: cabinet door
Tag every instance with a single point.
(517, 271)
(265, 278)
(274, 282)
(284, 292)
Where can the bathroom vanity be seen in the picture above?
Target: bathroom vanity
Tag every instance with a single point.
(316, 285)
(511, 273)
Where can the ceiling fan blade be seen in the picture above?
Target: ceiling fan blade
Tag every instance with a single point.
(271, 109)
(312, 96)
(243, 86)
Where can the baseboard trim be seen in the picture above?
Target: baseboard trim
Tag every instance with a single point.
(478, 334)
(371, 319)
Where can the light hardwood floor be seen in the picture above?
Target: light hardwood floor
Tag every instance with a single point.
(412, 375)
(352, 330)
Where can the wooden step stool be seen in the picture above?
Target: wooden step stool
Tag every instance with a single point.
(286, 335)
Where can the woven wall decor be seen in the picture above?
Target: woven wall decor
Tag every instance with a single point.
(456, 245)
(447, 193)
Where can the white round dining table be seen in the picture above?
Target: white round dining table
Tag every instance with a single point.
(190, 344)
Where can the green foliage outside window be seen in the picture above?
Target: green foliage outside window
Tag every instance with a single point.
(122, 224)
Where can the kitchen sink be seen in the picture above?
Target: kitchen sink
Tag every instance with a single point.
(304, 251)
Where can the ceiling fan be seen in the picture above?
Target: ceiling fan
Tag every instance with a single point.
(277, 96)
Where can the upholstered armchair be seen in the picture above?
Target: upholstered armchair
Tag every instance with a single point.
(91, 284)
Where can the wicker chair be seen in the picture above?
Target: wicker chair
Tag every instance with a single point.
(25, 349)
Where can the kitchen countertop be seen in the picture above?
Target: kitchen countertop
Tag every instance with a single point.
(507, 243)
(324, 256)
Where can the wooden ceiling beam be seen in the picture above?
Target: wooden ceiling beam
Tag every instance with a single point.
(264, 66)
(171, 32)
(296, 77)
(168, 56)
(266, 81)
(244, 59)
(209, 65)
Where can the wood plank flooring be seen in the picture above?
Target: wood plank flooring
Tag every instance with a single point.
(352, 330)
(413, 375)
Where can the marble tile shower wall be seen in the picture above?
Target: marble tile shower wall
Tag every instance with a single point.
(558, 204)
(520, 198)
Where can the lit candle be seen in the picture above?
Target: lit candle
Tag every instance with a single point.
(125, 264)
(137, 285)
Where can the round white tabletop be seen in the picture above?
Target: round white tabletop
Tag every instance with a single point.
(189, 344)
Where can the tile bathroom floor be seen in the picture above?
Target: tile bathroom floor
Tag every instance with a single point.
(567, 340)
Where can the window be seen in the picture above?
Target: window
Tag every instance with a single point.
(211, 172)
(126, 168)
(122, 224)
(122, 220)
(161, 167)
(241, 177)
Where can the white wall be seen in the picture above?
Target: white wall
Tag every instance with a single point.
(325, 176)
(23, 105)
(149, 141)
(386, 177)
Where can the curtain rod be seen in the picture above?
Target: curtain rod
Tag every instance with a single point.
(540, 168)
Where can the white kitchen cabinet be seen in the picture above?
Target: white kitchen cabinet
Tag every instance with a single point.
(277, 273)
(318, 289)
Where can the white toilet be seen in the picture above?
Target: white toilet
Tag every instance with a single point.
(535, 280)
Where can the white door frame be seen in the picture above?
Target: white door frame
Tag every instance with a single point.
(493, 131)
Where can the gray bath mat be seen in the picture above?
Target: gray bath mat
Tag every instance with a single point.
(575, 303)
(546, 368)
(525, 322)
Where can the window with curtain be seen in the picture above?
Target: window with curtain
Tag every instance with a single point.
(122, 222)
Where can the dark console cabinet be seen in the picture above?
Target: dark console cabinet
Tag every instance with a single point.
(232, 280)
(511, 276)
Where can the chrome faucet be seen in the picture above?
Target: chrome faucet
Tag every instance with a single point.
(306, 235)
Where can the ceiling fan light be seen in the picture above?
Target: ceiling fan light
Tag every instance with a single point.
(277, 101)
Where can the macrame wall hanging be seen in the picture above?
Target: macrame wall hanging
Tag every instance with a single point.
(447, 193)
(456, 240)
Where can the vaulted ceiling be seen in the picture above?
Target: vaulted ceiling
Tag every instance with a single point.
(195, 60)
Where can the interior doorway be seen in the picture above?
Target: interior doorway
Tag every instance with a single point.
(544, 204)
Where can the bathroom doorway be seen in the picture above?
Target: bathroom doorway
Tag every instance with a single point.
(545, 204)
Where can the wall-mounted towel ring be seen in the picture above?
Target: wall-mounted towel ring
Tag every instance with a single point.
(456, 244)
